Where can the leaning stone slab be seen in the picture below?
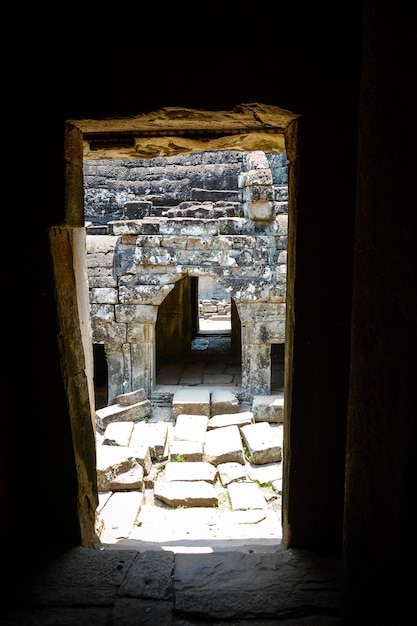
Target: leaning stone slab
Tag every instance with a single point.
(223, 445)
(141, 452)
(186, 451)
(192, 471)
(133, 397)
(262, 441)
(118, 434)
(191, 402)
(268, 408)
(190, 428)
(245, 496)
(183, 493)
(120, 413)
(223, 401)
(230, 419)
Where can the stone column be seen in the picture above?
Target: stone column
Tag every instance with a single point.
(257, 188)
(256, 363)
(115, 356)
(142, 348)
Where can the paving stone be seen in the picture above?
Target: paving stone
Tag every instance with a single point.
(268, 408)
(118, 434)
(186, 451)
(262, 442)
(134, 611)
(234, 585)
(190, 471)
(119, 515)
(229, 419)
(223, 445)
(150, 576)
(154, 435)
(229, 472)
(190, 428)
(191, 402)
(223, 401)
(244, 496)
(266, 473)
(187, 493)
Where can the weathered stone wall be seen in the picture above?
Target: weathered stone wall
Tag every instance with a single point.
(152, 223)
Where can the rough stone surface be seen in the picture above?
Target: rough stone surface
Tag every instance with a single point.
(119, 413)
(133, 397)
(262, 443)
(268, 408)
(194, 493)
(223, 445)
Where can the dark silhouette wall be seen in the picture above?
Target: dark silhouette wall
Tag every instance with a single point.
(352, 80)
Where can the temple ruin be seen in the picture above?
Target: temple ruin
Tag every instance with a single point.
(164, 231)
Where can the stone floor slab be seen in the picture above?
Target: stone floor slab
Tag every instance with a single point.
(190, 428)
(191, 402)
(244, 496)
(190, 471)
(223, 445)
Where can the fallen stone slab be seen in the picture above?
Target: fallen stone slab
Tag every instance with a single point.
(186, 451)
(111, 461)
(120, 413)
(190, 428)
(265, 473)
(118, 434)
(262, 442)
(132, 397)
(230, 419)
(244, 496)
(153, 435)
(183, 493)
(268, 408)
(223, 445)
(223, 401)
(191, 402)
(230, 472)
(188, 470)
(131, 480)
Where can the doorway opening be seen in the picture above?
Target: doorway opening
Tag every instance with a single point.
(91, 134)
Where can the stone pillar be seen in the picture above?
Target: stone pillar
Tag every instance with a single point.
(143, 360)
(115, 356)
(256, 364)
(257, 188)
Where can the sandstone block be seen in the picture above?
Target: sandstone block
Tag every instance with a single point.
(268, 408)
(120, 413)
(133, 397)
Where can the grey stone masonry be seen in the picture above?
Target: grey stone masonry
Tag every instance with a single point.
(219, 215)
